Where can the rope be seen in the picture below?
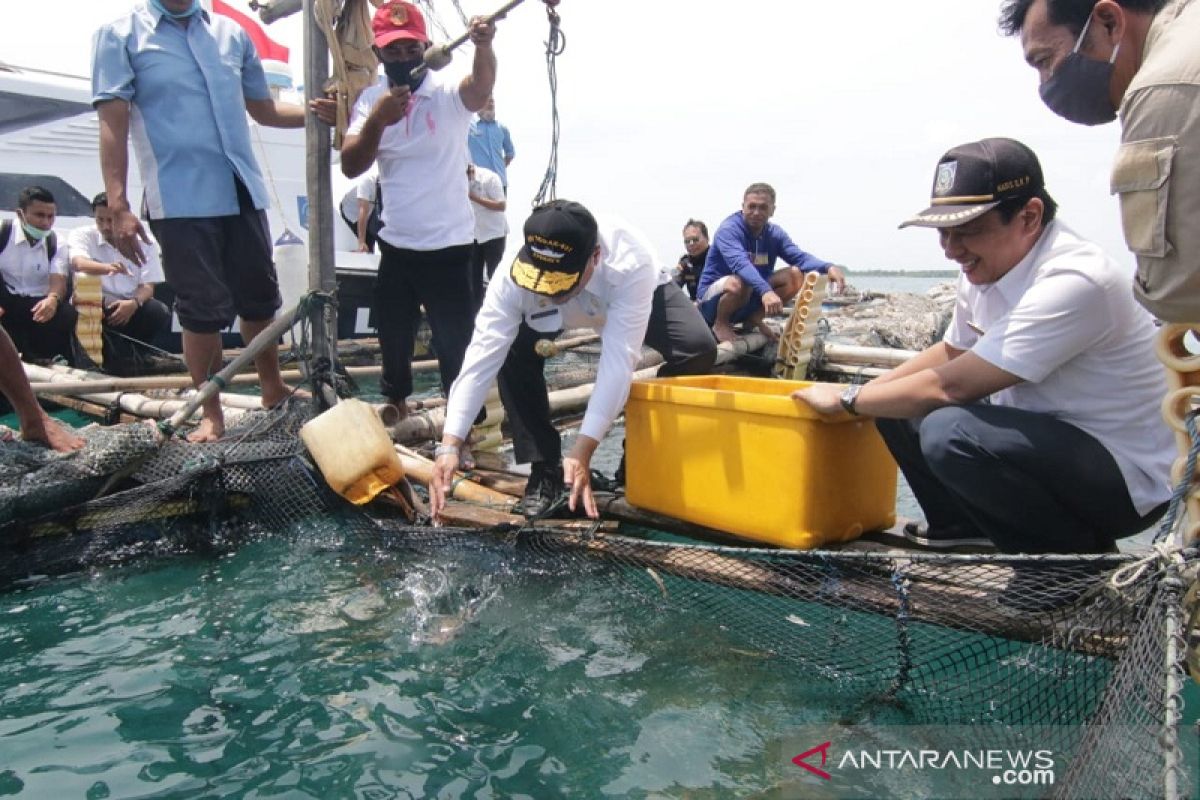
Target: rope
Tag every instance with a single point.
(900, 583)
(266, 165)
(1180, 493)
(1164, 553)
(158, 350)
(462, 16)
(556, 43)
(431, 14)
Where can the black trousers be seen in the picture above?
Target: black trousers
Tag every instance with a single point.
(409, 279)
(485, 257)
(676, 330)
(220, 268)
(122, 356)
(1029, 482)
(41, 340)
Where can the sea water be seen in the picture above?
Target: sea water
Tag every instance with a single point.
(323, 663)
(315, 663)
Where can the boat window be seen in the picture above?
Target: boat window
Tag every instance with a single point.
(68, 200)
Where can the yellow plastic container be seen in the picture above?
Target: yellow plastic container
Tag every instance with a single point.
(353, 451)
(739, 455)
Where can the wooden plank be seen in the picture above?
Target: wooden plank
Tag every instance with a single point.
(465, 515)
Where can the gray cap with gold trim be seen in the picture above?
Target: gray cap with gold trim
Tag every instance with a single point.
(974, 178)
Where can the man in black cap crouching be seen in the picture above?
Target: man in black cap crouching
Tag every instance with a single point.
(1033, 425)
(570, 274)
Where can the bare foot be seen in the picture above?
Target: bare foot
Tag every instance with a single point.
(273, 395)
(54, 435)
(207, 431)
(724, 332)
(768, 331)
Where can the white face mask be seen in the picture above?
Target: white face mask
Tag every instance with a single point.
(34, 234)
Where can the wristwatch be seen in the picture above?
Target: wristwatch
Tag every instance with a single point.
(850, 397)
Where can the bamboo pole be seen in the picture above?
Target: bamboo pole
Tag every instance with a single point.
(96, 411)
(850, 371)
(872, 356)
(749, 343)
(322, 270)
(136, 404)
(213, 385)
(420, 469)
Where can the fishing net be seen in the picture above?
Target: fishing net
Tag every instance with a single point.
(1088, 651)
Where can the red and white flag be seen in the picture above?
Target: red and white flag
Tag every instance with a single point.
(268, 49)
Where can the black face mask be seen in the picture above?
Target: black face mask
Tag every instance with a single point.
(400, 73)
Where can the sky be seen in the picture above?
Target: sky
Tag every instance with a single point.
(669, 109)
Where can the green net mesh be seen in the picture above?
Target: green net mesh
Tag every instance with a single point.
(1088, 649)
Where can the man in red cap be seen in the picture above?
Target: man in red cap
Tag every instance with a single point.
(415, 127)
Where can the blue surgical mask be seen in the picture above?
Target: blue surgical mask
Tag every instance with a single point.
(1078, 91)
(176, 15)
(399, 73)
(34, 234)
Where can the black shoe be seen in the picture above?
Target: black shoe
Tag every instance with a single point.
(543, 491)
(619, 475)
(944, 538)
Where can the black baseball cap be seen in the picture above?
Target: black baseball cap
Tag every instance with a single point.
(974, 178)
(559, 239)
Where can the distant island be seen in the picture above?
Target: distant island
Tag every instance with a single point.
(906, 273)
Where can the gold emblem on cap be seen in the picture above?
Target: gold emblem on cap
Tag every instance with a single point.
(527, 276)
(398, 15)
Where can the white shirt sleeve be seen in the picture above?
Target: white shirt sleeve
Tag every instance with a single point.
(362, 110)
(958, 334)
(79, 243)
(493, 188)
(365, 190)
(623, 333)
(61, 265)
(151, 271)
(496, 327)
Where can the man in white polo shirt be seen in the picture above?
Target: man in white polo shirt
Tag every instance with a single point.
(1034, 424)
(489, 203)
(33, 266)
(571, 273)
(416, 128)
(132, 316)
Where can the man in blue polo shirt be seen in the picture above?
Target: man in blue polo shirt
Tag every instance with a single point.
(490, 143)
(182, 80)
(739, 283)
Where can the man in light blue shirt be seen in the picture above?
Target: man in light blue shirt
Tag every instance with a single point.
(490, 143)
(180, 81)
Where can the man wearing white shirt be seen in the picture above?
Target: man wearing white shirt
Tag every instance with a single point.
(130, 308)
(571, 273)
(489, 202)
(1034, 424)
(360, 210)
(415, 128)
(33, 265)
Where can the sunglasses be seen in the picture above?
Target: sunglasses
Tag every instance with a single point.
(692, 240)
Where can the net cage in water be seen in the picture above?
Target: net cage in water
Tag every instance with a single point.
(1088, 652)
